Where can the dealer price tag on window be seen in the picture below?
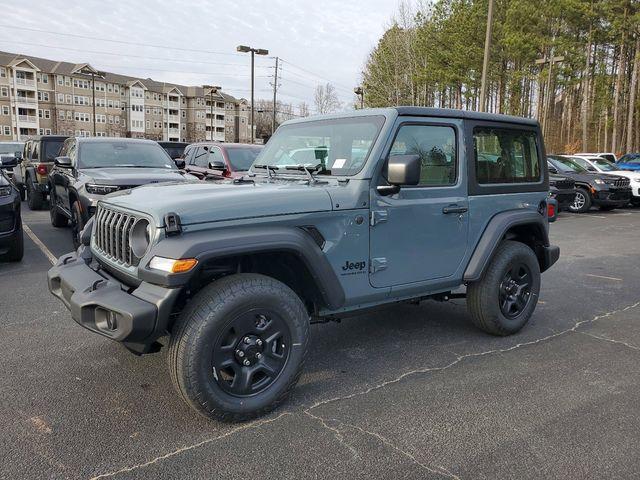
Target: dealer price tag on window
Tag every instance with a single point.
(339, 163)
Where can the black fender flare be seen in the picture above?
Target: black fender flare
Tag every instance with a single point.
(495, 231)
(227, 242)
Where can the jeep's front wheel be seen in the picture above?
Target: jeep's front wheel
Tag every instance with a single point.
(504, 298)
(238, 348)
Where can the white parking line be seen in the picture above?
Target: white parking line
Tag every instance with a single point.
(602, 276)
(47, 253)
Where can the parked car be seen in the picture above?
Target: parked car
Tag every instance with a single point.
(216, 161)
(89, 168)
(174, 149)
(11, 150)
(630, 161)
(610, 156)
(32, 176)
(592, 189)
(234, 272)
(563, 190)
(11, 237)
(600, 165)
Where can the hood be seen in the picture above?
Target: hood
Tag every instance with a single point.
(133, 176)
(202, 202)
(588, 177)
(631, 175)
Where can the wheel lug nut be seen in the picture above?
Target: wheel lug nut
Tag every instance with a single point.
(240, 353)
(258, 356)
(259, 342)
(246, 363)
(247, 340)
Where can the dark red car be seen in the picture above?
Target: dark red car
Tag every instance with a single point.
(217, 161)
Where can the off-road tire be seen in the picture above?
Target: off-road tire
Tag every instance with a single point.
(58, 219)
(35, 199)
(483, 296)
(587, 201)
(77, 223)
(201, 323)
(16, 252)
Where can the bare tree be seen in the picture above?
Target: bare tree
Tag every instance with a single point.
(303, 109)
(326, 99)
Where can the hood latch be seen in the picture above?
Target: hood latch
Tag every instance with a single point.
(172, 224)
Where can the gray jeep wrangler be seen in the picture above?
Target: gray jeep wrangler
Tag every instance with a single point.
(338, 214)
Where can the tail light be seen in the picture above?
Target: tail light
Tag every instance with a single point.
(41, 169)
(551, 210)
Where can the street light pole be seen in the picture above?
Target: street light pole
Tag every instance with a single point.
(485, 62)
(253, 51)
(93, 89)
(212, 89)
(275, 90)
(359, 91)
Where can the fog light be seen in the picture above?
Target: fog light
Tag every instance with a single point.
(171, 265)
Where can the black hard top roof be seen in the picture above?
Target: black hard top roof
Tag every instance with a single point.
(465, 114)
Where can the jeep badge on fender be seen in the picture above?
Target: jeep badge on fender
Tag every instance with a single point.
(234, 288)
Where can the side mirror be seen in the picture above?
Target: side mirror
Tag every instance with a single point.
(18, 156)
(553, 170)
(8, 162)
(217, 165)
(180, 163)
(62, 162)
(401, 170)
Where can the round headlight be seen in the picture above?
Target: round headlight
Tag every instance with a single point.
(140, 237)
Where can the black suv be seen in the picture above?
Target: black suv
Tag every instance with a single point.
(11, 242)
(89, 168)
(32, 178)
(605, 191)
(563, 190)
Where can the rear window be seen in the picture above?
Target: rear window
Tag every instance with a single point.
(505, 156)
(51, 149)
(242, 158)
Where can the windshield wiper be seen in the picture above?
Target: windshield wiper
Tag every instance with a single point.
(309, 171)
(271, 169)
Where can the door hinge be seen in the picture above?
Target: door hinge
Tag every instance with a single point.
(378, 216)
(377, 264)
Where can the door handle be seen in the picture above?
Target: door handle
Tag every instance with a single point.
(454, 209)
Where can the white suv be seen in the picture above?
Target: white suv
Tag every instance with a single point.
(600, 165)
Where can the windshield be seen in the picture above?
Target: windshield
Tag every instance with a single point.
(241, 158)
(174, 152)
(123, 154)
(340, 146)
(10, 148)
(630, 159)
(604, 165)
(567, 165)
(51, 149)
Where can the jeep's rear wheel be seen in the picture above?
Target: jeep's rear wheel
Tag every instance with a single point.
(238, 348)
(504, 299)
(581, 202)
(35, 198)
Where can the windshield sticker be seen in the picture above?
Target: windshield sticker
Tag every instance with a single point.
(339, 163)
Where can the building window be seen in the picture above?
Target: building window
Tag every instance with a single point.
(184, 114)
(40, 113)
(61, 114)
(41, 131)
(109, 87)
(45, 78)
(68, 97)
(67, 81)
(5, 110)
(3, 72)
(7, 130)
(69, 114)
(117, 119)
(47, 131)
(148, 124)
(60, 79)
(4, 91)
(61, 98)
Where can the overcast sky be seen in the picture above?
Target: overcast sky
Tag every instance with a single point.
(319, 41)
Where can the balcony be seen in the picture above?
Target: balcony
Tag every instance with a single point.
(174, 118)
(174, 131)
(25, 82)
(173, 104)
(26, 100)
(31, 119)
(217, 136)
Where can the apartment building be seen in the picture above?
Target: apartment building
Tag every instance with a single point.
(40, 97)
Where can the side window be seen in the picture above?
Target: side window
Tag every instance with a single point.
(215, 156)
(201, 158)
(436, 146)
(188, 154)
(505, 156)
(35, 151)
(72, 152)
(27, 151)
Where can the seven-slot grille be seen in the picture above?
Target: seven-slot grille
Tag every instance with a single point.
(621, 182)
(112, 233)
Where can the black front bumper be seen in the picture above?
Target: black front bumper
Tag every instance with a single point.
(618, 197)
(136, 316)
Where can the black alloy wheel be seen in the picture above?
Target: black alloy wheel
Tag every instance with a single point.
(251, 352)
(515, 290)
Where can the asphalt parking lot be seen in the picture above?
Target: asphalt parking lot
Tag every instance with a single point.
(405, 392)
